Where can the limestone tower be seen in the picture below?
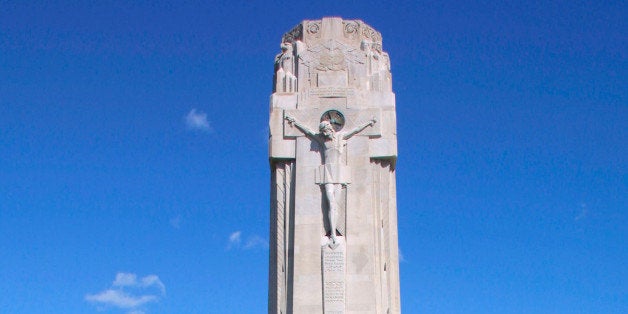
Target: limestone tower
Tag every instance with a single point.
(332, 149)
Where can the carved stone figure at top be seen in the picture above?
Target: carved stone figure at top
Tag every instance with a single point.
(285, 80)
(333, 144)
(285, 59)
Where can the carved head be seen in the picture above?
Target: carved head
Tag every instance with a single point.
(326, 129)
(286, 47)
(365, 45)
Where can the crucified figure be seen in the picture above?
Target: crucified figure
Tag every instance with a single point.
(334, 148)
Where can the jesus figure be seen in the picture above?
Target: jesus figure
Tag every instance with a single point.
(333, 144)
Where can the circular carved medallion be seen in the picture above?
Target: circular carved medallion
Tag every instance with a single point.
(334, 117)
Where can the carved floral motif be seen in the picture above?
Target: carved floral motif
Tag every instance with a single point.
(351, 29)
(371, 34)
(313, 28)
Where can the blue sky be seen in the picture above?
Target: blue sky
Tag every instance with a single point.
(134, 171)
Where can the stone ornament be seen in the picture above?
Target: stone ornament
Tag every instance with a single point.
(335, 118)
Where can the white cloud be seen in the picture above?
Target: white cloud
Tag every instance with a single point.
(119, 298)
(130, 280)
(153, 281)
(234, 239)
(252, 242)
(129, 292)
(197, 120)
(401, 258)
(256, 242)
(124, 279)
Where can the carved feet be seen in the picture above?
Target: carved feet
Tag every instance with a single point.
(333, 242)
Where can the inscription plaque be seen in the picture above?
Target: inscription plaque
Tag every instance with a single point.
(333, 264)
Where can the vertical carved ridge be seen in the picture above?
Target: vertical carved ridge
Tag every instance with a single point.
(281, 185)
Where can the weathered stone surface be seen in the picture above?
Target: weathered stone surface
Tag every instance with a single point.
(332, 148)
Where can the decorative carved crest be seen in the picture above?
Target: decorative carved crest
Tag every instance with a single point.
(332, 60)
(331, 56)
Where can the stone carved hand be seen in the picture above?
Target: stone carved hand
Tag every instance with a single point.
(373, 121)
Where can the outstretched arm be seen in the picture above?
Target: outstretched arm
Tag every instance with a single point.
(300, 126)
(359, 129)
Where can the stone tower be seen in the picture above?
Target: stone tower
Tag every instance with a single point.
(332, 149)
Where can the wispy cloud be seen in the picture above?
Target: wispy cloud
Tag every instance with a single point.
(582, 213)
(252, 241)
(130, 280)
(129, 292)
(256, 242)
(175, 222)
(197, 120)
(234, 239)
(402, 259)
(124, 279)
(119, 298)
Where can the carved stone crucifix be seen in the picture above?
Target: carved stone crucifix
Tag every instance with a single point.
(333, 144)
